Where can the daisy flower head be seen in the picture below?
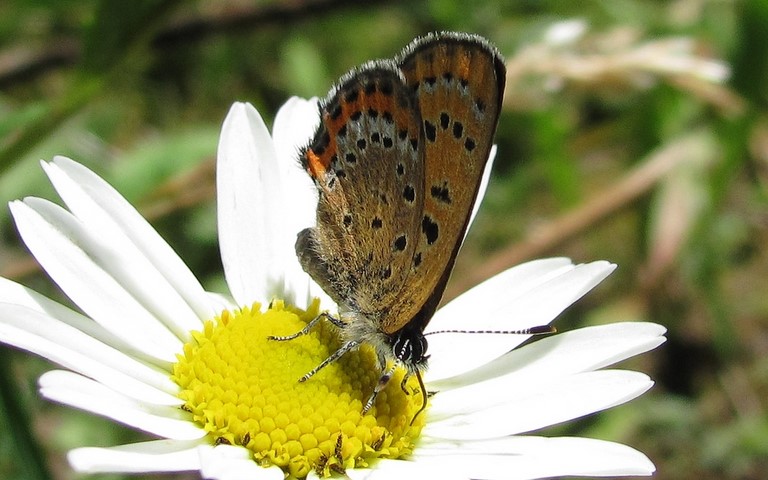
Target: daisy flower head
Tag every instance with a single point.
(149, 348)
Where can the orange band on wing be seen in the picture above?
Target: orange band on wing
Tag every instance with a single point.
(315, 165)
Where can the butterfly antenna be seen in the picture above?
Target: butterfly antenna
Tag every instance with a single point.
(537, 330)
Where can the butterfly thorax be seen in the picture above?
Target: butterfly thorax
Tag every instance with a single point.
(407, 347)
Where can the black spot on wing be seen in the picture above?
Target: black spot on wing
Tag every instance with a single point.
(430, 229)
(441, 193)
(445, 120)
(458, 129)
(430, 131)
(400, 243)
(409, 194)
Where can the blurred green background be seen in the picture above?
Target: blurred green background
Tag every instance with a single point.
(634, 131)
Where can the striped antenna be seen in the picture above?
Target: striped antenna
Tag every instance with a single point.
(537, 330)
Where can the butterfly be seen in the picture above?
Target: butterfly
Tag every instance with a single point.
(397, 161)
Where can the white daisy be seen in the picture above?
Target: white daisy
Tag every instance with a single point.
(154, 351)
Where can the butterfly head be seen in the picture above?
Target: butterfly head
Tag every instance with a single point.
(410, 349)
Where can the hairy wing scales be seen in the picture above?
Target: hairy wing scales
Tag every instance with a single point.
(365, 161)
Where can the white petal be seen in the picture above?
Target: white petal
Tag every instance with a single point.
(94, 200)
(60, 343)
(222, 302)
(496, 408)
(154, 456)
(482, 188)
(120, 257)
(530, 294)
(229, 462)
(522, 457)
(16, 294)
(249, 191)
(295, 124)
(221, 463)
(86, 394)
(74, 258)
(580, 350)
(405, 469)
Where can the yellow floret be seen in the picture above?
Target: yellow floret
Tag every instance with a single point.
(243, 389)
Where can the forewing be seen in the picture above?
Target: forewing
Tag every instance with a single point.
(366, 161)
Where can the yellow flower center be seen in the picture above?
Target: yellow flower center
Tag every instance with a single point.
(243, 389)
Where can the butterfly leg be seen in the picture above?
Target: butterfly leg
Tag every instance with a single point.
(309, 327)
(336, 355)
(383, 381)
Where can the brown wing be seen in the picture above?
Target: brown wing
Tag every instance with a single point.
(459, 83)
(366, 161)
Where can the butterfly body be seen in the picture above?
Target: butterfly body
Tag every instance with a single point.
(397, 161)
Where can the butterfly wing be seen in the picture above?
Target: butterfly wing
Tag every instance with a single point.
(366, 160)
(459, 83)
